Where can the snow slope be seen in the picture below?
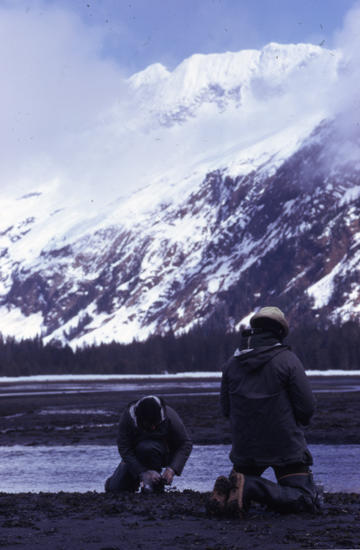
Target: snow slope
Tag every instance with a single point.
(205, 145)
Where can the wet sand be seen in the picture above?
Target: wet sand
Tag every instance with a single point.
(173, 520)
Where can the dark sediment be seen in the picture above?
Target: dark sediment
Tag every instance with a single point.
(91, 418)
(74, 521)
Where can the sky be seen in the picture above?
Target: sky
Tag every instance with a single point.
(136, 33)
(64, 65)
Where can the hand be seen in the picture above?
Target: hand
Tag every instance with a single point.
(168, 476)
(150, 477)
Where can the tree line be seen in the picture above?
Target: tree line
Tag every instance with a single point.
(204, 348)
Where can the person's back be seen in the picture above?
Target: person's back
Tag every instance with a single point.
(267, 397)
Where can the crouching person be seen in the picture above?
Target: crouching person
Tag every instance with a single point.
(267, 397)
(151, 437)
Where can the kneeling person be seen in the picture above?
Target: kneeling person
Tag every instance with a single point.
(267, 397)
(151, 437)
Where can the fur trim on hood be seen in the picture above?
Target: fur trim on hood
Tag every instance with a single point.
(133, 407)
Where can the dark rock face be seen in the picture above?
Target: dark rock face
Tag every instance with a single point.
(232, 244)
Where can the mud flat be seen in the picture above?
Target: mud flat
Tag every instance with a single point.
(91, 418)
(90, 521)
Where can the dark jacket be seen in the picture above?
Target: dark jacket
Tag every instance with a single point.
(171, 432)
(268, 399)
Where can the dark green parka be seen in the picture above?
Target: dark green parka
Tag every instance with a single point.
(267, 397)
(171, 431)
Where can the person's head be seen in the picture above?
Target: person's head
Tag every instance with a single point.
(148, 412)
(271, 318)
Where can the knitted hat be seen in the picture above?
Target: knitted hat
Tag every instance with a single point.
(272, 313)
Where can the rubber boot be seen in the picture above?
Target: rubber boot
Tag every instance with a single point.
(215, 505)
(294, 493)
(121, 480)
(305, 483)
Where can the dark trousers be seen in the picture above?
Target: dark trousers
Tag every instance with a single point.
(294, 492)
(151, 454)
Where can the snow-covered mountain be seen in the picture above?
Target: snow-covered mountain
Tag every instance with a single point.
(249, 194)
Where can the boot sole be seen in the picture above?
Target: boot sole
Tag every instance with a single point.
(234, 505)
(215, 505)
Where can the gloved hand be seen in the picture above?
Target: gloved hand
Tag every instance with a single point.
(149, 478)
(168, 475)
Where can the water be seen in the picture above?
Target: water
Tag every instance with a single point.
(190, 384)
(58, 388)
(84, 468)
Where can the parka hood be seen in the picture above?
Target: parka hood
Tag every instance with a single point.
(132, 408)
(258, 347)
(258, 357)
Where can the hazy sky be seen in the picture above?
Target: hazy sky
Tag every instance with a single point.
(136, 33)
(63, 66)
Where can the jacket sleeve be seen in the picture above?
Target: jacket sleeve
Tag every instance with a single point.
(224, 395)
(299, 390)
(125, 442)
(180, 442)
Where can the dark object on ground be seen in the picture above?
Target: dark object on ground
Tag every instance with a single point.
(95, 521)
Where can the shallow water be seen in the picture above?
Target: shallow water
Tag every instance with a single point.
(84, 468)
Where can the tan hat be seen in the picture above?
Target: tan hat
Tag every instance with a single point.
(274, 313)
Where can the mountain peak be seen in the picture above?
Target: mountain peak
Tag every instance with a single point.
(238, 206)
(153, 74)
(226, 69)
(225, 78)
